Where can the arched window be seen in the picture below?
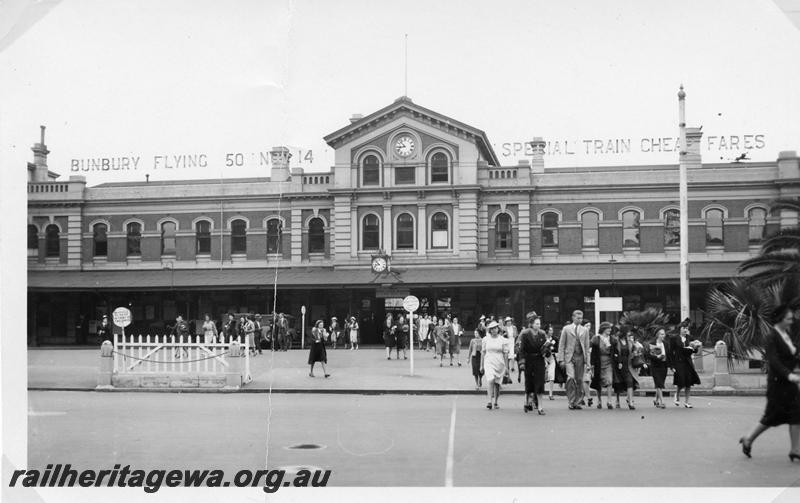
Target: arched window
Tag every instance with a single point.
(203, 237)
(440, 169)
(757, 224)
(550, 230)
(630, 228)
(589, 229)
(502, 232)
(33, 241)
(168, 231)
(440, 231)
(52, 241)
(714, 233)
(238, 236)
(371, 168)
(273, 235)
(316, 236)
(100, 240)
(405, 232)
(672, 228)
(370, 232)
(134, 238)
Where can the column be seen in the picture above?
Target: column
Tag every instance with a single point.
(344, 222)
(297, 235)
(422, 229)
(524, 229)
(456, 226)
(355, 232)
(74, 240)
(387, 228)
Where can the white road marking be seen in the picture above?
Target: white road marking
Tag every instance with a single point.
(44, 413)
(448, 471)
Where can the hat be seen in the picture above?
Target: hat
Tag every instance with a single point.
(483, 317)
(492, 325)
(334, 318)
(508, 318)
(105, 316)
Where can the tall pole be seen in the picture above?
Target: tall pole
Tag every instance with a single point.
(405, 89)
(684, 206)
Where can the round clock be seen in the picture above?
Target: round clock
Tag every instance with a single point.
(379, 264)
(404, 145)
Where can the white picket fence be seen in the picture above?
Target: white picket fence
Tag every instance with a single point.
(170, 354)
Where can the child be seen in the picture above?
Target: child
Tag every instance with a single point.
(475, 358)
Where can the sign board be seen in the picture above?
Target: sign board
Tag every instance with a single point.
(122, 317)
(609, 304)
(302, 309)
(411, 303)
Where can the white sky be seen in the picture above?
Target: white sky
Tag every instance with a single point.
(120, 78)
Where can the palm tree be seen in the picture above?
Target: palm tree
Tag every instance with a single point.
(739, 311)
(644, 322)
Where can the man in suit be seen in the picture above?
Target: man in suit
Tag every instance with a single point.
(573, 357)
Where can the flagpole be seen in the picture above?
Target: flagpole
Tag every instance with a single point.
(684, 205)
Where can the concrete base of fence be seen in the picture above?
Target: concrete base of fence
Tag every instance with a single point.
(227, 381)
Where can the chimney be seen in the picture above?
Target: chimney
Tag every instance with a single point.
(537, 162)
(788, 165)
(280, 164)
(40, 159)
(355, 118)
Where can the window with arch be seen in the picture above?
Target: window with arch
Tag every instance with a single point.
(440, 236)
(202, 237)
(133, 234)
(672, 227)
(100, 240)
(239, 236)
(33, 241)
(440, 168)
(52, 241)
(168, 232)
(316, 236)
(714, 232)
(630, 228)
(502, 232)
(590, 222)
(550, 230)
(274, 235)
(757, 224)
(371, 170)
(370, 232)
(404, 238)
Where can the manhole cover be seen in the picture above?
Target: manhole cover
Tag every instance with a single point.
(306, 446)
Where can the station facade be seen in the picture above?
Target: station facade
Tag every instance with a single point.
(420, 190)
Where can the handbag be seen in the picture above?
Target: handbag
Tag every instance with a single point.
(637, 361)
(507, 380)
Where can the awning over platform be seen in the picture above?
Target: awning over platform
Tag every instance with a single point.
(327, 277)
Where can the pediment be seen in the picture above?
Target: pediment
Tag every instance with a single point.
(404, 108)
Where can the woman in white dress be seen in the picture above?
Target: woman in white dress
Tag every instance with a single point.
(209, 330)
(494, 362)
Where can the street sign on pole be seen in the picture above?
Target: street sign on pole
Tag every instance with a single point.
(411, 304)
(604, 304)
(122, 318)
(303, 328)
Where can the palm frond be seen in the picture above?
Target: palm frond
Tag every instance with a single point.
(785, 239)
(791, 204)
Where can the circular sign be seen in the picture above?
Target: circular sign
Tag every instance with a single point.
(302, 309)
(411, 303)
(122, 317)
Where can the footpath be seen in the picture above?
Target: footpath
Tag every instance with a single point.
(357, 372)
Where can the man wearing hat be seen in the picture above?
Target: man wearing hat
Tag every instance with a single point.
(573, 357)
(334, 331)
(104, 330)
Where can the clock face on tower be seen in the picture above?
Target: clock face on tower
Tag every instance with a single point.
(379, 264)
(404, 145)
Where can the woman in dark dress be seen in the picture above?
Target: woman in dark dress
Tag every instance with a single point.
(681, 361)
(624, 375)
(658, 366)
(602, 351)
(388, 335)
(783, 396)
(317, 352)
(533, 349)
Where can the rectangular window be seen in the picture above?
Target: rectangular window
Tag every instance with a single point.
(439, 239)
(404, 175)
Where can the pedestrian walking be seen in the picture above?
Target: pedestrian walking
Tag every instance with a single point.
(354, 332)
(475, 345)
(424, 326)
(624, 372)
(401, 336)
(104, 330)
(573, 357)
(442, 333)
(456, 331)
(434, 340)
(783, 379)
(209, 329)
(494, 362)
(334, 331)
(250, 333)
(180, 330)
(587, 376)
(550, 371)
(680, 357)
(511, 333)
(658, 366)
(533, 349)
(317, 351)
(602, 356)
(229, 329)
(388, 335)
